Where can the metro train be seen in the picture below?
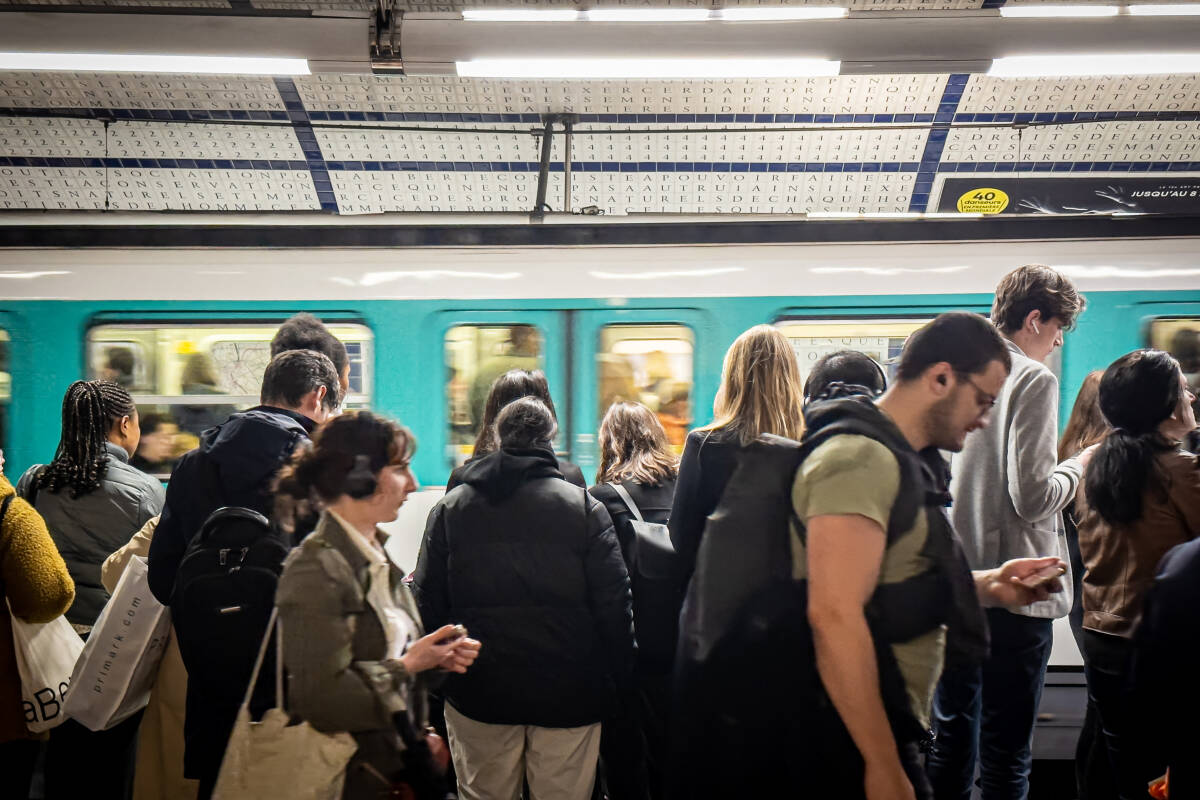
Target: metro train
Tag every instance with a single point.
(186, 329)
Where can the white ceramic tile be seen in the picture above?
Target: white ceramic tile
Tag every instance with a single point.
(1061, 95)
(137, 91)
(51, 138)
(51, 188)
(1097, 142)
(211, 190)
(174, 140)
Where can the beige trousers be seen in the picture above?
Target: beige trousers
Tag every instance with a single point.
(558, 763)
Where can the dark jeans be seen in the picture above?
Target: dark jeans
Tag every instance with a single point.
(1108, 659)
(987, 713)
(17, 759)
(93, 764)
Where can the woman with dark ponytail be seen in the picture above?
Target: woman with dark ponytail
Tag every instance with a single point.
(355, 653)
(92, 499)
(93, 502)
(1141, 498)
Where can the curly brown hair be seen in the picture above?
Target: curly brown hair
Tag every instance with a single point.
(633, 447)
(1035, 287)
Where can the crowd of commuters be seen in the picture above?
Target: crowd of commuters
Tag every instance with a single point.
(937, 525)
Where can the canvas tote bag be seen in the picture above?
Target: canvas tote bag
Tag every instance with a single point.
(46, 654)
(272, 758)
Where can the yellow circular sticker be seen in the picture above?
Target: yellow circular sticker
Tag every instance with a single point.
(983, 201)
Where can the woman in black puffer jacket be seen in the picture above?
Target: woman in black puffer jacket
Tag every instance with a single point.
(530, 564)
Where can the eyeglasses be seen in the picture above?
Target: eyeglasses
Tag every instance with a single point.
(984, 399)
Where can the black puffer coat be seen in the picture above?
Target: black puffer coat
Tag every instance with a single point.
(530, 564)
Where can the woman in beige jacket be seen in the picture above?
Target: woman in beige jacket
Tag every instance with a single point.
(356, 656)
(158, 772)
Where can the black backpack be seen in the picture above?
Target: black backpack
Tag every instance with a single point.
(224, 594)
(751, 716)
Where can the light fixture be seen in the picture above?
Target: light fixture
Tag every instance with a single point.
(646, 14)
(773, 14)
(1164, 10)
(1095, 64)
(1059, 11)
(115, 62)
(520, 15)
(646, 68)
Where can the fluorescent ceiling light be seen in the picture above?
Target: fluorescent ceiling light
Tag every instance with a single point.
(646, 14)
(805, 12)
(1164, 10)
(519, 15)
(648, 68)
(1059, 11)
(1095, 64)
(191, 65)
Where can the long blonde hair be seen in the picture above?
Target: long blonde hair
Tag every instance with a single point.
(760, 388)
(633, 447)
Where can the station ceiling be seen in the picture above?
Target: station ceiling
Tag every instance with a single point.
(884, 143)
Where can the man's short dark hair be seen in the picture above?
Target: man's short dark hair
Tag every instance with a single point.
(965, 341)
(306, 332)
(849, 367)
(1034, 287)
(294, 373)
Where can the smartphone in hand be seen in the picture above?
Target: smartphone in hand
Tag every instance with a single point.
(1045, 578)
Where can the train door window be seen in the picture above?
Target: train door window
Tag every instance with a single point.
(1179, 336)
(652, 365)
(475, 356)
(881, 339)
(186, 377)
(5, 386)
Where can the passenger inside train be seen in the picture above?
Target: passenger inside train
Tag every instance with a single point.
(544, 616)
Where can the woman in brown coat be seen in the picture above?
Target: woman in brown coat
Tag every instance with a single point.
(1141, 498)
(356, 656)
(35, 581)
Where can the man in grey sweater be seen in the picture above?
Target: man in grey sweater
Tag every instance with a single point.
(1009, 491)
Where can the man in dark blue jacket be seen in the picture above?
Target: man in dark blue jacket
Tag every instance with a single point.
(234, 466)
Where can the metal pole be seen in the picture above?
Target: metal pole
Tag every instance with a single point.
(567, 168)
(544, 170)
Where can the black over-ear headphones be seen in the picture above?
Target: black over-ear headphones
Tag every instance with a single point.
(360, 480)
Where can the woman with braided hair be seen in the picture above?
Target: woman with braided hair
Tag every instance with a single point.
(93, 502)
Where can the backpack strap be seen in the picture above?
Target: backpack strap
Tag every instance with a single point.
(4, 506)
(628, 500)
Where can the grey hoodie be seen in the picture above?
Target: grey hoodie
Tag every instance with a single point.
(1009, 489)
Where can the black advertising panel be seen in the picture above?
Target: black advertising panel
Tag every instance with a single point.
(990, 194)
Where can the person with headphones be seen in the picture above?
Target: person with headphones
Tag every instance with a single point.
(842, 373)
(354, 650)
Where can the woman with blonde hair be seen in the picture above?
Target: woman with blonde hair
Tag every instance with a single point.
(636, 483)
(760, 393)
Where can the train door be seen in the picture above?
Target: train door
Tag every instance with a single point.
(478, 347)
(658, 357)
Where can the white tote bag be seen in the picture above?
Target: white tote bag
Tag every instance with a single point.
(46, 654)
(116, 672)
(274, 759)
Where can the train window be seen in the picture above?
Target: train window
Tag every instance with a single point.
(652, 365)
(1179, 336)
(475, 356)
(5, 386)
(881, 339)
(186, 377)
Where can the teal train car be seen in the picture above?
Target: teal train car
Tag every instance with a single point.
(181, 312)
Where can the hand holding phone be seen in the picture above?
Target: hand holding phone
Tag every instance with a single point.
(1046, 578)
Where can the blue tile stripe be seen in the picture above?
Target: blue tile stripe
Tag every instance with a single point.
(1068, 117)
(149, 115)
(155, 163)
(628, 119)
(599, 166)
(307, 138)
(621, 166)
(1071, 166)
(936, 141)
(993, 3)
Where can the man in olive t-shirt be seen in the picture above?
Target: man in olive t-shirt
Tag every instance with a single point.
(949, 375)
